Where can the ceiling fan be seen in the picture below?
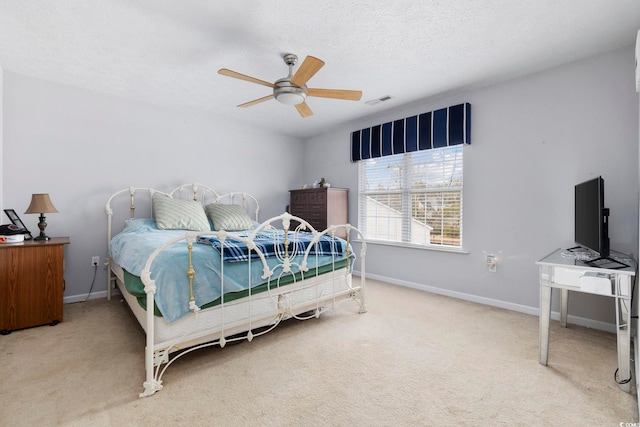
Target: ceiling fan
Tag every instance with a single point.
(293, 90)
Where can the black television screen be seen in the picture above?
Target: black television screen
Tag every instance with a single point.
(591, 217)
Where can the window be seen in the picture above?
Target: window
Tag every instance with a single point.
(413, 198)
(410, 178)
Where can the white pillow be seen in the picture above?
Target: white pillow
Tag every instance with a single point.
(177, 214)
(228, 217)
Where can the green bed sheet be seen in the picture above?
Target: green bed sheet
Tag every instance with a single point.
(135, 286)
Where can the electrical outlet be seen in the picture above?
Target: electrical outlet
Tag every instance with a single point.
(491, 263)
(95, 260)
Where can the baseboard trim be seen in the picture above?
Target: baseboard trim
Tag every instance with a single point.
(534, 311)
(84, 297)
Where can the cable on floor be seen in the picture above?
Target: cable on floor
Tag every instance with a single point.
(95, 271)
(615, 378)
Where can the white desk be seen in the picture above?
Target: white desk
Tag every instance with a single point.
(560, 271)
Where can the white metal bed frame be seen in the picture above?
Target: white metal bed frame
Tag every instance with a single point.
(303, 299)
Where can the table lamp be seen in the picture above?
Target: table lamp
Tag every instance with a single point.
(40, 203)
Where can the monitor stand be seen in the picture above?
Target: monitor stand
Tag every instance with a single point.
(598, 262)
(606, 262)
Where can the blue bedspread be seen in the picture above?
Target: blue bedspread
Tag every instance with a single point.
(272, 243)
(132, 247)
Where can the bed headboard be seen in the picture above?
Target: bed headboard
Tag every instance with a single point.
(139, 205)
(207, 195)
(136, 202)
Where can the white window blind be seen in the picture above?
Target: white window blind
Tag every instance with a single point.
(413, 198)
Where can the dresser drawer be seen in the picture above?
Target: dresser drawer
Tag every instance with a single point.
(318, 224)
(295, 209)
(309, 215)
(309, 196)
(317, 197)
(316, 208)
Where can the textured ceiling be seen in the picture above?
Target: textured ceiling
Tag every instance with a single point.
(167, 52)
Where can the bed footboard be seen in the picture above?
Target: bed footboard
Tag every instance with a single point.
(302, 299)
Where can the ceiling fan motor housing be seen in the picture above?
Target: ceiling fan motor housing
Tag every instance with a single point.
(289, 94)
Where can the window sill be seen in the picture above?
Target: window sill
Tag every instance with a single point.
(413, 246)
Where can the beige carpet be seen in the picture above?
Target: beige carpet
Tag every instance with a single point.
(415, 359)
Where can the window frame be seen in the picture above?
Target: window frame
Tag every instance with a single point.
(407, 194)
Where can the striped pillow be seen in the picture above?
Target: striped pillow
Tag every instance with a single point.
(177, 214)
(228, 217)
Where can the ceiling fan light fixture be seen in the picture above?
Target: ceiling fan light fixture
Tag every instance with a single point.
(288, 94)
(289, 98)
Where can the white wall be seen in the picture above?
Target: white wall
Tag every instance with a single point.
(533, 139)
(80, 147)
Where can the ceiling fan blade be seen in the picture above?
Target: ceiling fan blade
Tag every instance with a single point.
(256, 101)
(349, 95)
(309, 67)
(304, 109)
(229, 73)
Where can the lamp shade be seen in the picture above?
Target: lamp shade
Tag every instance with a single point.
(40, 203)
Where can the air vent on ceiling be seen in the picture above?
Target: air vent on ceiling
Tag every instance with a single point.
(379, 100)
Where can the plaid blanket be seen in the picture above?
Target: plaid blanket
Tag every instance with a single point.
(272, 244)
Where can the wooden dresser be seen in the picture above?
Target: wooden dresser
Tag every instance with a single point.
(31, 283)
(321, 207)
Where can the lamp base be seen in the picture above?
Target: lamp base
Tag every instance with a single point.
(42, 225)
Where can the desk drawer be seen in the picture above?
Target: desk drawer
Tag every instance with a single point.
(567, 276)
(586, 281)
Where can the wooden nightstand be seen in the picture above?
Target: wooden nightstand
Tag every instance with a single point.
(31, 283)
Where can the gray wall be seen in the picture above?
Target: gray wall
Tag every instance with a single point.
(80, 147)
(533, 139)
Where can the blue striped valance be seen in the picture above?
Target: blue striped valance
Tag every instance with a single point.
(435, 129)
